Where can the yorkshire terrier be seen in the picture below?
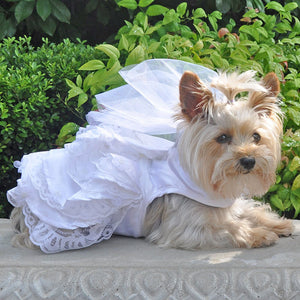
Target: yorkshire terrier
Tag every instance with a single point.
(231, 150)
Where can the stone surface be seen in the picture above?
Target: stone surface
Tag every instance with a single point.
(125, 268)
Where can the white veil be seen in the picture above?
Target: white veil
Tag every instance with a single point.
(148, 101)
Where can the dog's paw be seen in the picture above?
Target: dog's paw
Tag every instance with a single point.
(256, 237)
(263, 238)
(284, 227)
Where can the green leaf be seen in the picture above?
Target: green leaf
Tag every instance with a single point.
(295, 164)
(92, 65)
(170, 16)
(273, 188)
(123, 43)
(294, 115)
(276, 201)
(156, 10)
(142, 20)
(91, 6)
(151, 29)
(283, 193)
(79, 81)
(199, 13)
(83, 98)
(181, 9)
(283, 27)
(275, 5)
(213, 19)
(218, 61)
(136, 31)
(295, 199)
(296, 183)
(292, 94)
(70, 83)
(87, 82)
(250, 31)
(69, 128)
(23, 10)
(136, 56)
(153, 47)
(144, 3)
(67, 134)
(60, 11)
(103, 77)
(75, 91)
(110, 50)
(288, 176)
(130, 4)
(290, 6)
(48, 26)
(43, 8)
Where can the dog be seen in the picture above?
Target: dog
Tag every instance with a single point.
(231, 150)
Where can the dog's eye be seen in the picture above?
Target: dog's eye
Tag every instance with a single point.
(256, 137)
(224, 139)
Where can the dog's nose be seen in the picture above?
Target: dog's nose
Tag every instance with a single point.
(247, 162)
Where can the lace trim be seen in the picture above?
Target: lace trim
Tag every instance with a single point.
(52, 240)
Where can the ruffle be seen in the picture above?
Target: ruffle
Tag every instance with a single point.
(82, 183)
(52, 239)
(90, 184)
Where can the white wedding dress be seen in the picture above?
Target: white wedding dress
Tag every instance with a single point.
(103, 182)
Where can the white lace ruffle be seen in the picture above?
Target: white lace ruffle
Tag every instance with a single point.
(77, 196)
(53, 240)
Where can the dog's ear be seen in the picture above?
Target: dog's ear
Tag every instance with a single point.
(194, 96)
(266, 103)
(271, 82)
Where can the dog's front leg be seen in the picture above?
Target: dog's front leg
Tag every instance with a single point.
(179, 222)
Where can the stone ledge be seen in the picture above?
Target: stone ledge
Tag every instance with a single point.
(125, 268)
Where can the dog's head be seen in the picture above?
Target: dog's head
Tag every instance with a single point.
(230, 148)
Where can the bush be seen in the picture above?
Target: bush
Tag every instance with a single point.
(58, 19)
(266, 42)
(96, 20)
(32, 106)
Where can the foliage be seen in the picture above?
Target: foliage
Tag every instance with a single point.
(37, 14)
(284, 195)
(96, 20)
(31, 110)
(58, 19)
(265, 42)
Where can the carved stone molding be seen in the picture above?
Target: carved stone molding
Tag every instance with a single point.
(124, 268)
(97, 283)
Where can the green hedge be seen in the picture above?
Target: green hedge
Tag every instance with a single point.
(32, 99)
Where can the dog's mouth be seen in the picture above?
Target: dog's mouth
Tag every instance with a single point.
(241, 170)
(246, 172)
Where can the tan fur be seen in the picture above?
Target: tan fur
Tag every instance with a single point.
(179, 222)
(253, 125)
(176, 221)
(21, 238)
